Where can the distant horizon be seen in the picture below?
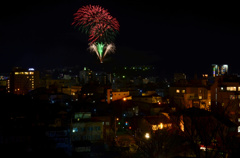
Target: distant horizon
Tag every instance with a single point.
(105, 67)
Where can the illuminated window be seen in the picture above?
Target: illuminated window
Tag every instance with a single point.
(16, 73)
(238, 119)
(231, 88)
(238, 129)
(26, 73)
(75, 129)
(154, 127)
(238, 88)
(221, 88)
(232, 97)
(177, 91)
(200, 97)
(160, 126)
(183, 91)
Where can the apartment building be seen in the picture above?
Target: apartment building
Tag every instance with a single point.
(23, 80)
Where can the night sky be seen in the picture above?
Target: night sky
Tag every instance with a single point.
(176, 37)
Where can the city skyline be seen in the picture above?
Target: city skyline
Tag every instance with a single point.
(177, 37)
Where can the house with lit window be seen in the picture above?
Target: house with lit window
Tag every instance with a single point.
(192, 93)
(116, 95)
(83, 128)
(89, 133)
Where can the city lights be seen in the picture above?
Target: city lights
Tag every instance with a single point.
(168, 87)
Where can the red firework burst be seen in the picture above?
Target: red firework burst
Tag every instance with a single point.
(97, 22)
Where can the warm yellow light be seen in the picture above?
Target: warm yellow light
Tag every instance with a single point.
(181, 123)
(154, 127)
(124, 99)
(147, 135)
(160, 126)
(117, 119)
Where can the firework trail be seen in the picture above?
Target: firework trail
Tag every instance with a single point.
(110, 48)
(100, 48)
(93, 48)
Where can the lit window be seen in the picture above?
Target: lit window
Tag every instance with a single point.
(177, 91)
(160, 126)
(16, 73)
(221, 88)
(238, 119)
(232, 97)
(154, 127)
(238, 129)
(200, 97)
(231, 88)
(183, 91)
(75, 129)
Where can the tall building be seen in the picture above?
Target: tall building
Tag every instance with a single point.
(85, 75)
(4, 83)
(219, 70)
(23, 80)
(225, 93)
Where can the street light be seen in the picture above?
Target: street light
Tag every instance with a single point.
(147, 135)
